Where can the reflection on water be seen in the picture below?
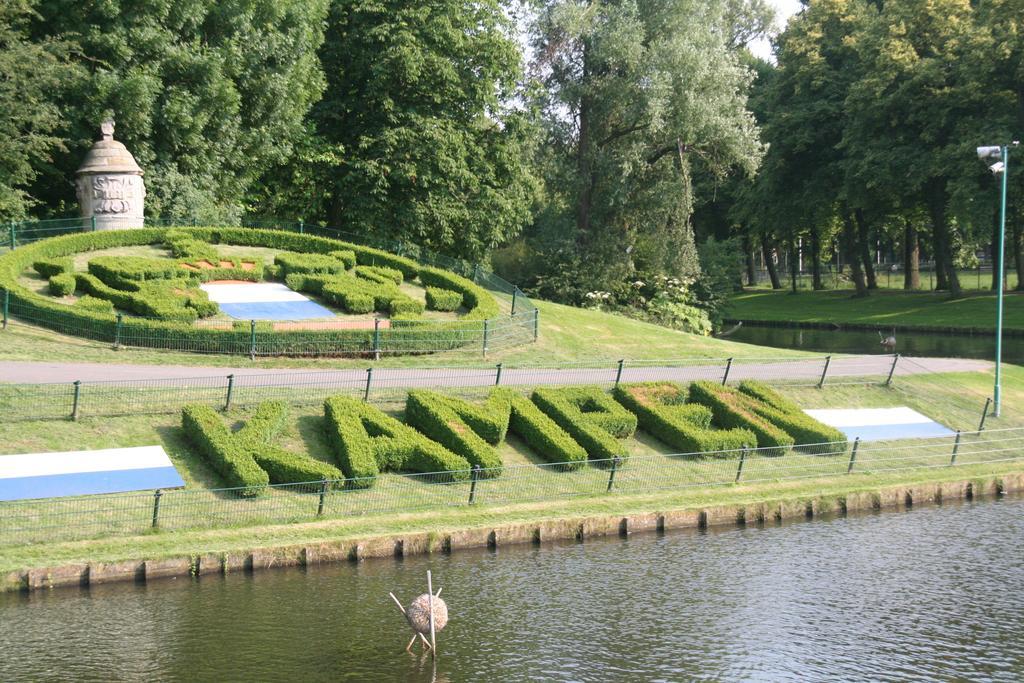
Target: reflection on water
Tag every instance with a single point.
(859, 341)
(932, 593)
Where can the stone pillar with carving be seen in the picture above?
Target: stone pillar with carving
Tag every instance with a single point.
(109, 184)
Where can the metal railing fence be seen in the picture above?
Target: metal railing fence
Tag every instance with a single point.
(518, 323)
(53, 520)
(388, 385)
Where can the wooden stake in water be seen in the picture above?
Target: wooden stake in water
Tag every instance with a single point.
(430, 604)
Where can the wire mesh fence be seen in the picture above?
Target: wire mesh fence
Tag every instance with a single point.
(517, 324)
(52, 520)
(78, 399)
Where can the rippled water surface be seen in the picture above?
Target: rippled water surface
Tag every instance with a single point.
(935, 593)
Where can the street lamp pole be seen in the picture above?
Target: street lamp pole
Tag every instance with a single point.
(997, 391)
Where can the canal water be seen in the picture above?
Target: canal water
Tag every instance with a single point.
(861, 341)
(933, 593)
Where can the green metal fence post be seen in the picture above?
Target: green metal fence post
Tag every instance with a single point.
(74, 403)
(611, 474)
(956, 447)
(536, 323)
(13, 233)
(376, 338)
(853, 455)
(888, 380)
(984, 414)
(369, 380)
(302, 227)
(323, 494)
(231, 390)
(739, 468)
(7, 307)
(728, 367)
(117, 330)
(824, 371)
(485, 337)
(514, 292)
(618, 373)
(252, 340)
(473, 478)
(156, 506)
(93, 221)
(497, 374)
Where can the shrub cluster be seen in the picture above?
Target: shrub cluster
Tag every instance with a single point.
(48, 267)
(164, 299)
(223, 269)
(62, 284)
(380, 274)
(356, 295)
(541, 433)
(185, 245)
(282, 466)
(591, 417)
(346, 256)
(366, 442)
(322, 264)
(443, 299)
(92, 303)
(780, 411)
(205, 429)
(661, 410)
(471, 431)
(732, 410)
(478, 300)
(125, 272)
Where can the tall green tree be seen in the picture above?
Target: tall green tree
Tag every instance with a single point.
(633, 92)
(30, 73)
(207, 94)
(418, 132)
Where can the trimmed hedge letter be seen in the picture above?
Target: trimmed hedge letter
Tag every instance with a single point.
(591, 417)
(247, 458)
(470, 430)
(541, 433)
(367, 442)
(662, 411)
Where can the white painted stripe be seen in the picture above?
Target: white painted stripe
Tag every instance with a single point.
(73, 462)
(256, 293)
(861, 417)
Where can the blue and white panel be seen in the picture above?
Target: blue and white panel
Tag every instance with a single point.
(877, 424)
(77, 473)
(264, 301)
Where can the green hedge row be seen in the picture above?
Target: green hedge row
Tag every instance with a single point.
(443, 299)
(205, 429)
(591, 417)
(366, 442)
(48, 267)
(661, 410)
(479, 301)
(147, 300)
(542, 434)
(780, 411)
(346, 256)
(357, 295)
(321, 264)
(283, 467)
(380, 274)
(236, 271)
(469, 430)
(62, 284)
(95, 304)
(122, 272)
(732, 410)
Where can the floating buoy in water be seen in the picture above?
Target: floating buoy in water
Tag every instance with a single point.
(427, 614)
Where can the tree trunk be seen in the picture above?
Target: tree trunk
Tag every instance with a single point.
(943, 242)
(768, 251)
(911, 256)
(864, 248)
(850, 247)
(816, 282)
(1017, 247)
(584, 162)
(748, 252)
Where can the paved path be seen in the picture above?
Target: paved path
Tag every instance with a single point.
(634, 371)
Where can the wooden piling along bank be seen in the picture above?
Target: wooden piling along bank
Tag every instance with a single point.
(576, 528)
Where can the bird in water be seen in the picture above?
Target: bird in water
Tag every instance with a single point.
(888, 342)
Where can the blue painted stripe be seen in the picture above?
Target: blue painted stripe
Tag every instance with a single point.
(86, 483)
(899, 431)
(277, 310)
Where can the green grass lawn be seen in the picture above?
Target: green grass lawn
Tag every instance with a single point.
(567, 334)
(887, 279)
(882, 307)
(955, 400)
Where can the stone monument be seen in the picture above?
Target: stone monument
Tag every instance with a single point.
(109, 183)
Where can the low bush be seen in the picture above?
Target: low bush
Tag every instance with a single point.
(479, 301)
(366, 442)
(591, 417)
(346, 256)
(324, 264)
(205, 429)
(62, 284)
(92, 303)
(151, 299)
(122, 272)
(443, 299)
(282, 466)
(188, 248)
(405, 306)
(223, 269)
(356, 295)
(782, 412)
(661, 410)
(541, 433)
(48, 267)
(368, 256)
(732, 410)
(469, 430)
(379, 274)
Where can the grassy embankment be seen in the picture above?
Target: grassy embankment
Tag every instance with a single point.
(969, 280)
(953, 399)
(883, 308)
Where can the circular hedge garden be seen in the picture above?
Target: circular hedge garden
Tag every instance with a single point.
(156, 302)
